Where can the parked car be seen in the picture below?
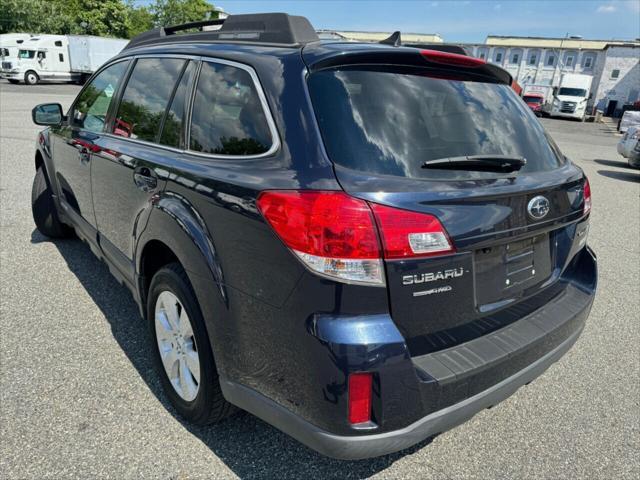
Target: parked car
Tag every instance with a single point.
(332, 236)
(629, 118)
(629, 146)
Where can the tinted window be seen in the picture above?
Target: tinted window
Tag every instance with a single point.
(172, 128)
(90, 110)
(390, 122)
(27, 53)
(146, 97)
(227, 116)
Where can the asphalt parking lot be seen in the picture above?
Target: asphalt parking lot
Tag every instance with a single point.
(79, 397)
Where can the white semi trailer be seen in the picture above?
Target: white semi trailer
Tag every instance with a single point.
(59, 58)
(571, 97)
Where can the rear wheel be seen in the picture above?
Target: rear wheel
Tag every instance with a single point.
(31, 78)
(182, 351)
(44, 210)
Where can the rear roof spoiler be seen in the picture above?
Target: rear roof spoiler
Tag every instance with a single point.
(257, 28)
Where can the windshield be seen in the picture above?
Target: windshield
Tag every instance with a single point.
(26, 53)
(528, 99)
(391, 122)
(573, 92)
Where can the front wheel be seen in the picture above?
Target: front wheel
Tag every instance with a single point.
(43, 208)
(31, 78)
(182, 352)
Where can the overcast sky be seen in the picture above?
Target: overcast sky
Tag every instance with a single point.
(462, 21)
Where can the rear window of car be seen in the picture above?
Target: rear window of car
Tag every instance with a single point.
(227, 115)
(390, 121)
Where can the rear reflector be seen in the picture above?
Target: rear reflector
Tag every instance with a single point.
(409, 234)
(587, 197)
(335, 234)
(360, 397)
(455, 59)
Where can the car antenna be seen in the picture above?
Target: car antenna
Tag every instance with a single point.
(393, 40)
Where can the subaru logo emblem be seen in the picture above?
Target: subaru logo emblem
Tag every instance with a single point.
(538, 207)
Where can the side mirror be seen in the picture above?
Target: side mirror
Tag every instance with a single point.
(47, 114)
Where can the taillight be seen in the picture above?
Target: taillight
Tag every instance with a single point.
(409, 234)
(332, 233)
(587, 197)
(455, 59)
(359, 397)
(335, 234)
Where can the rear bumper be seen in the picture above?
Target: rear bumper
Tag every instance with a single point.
(459, 381)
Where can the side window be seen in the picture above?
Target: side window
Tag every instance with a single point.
(146, 97)
(58, 43)
(173, 122)
(227, 116)
(90, 110)
(61, 57)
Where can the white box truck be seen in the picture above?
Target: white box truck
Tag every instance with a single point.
(571, 97)
(60, 58)
(538, 97)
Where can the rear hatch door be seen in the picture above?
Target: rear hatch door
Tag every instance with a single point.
(512, 232)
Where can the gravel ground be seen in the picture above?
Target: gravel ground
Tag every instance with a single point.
(78, 396)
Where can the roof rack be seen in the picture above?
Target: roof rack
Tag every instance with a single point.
(257, 28)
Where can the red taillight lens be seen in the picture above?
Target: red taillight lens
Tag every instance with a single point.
(455, 59)
(409, 234)
(587, 197)
(335, 234)
(332, 233)
(360, 397)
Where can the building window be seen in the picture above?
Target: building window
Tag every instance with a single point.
(551, 60)
(588, 62)
(482, 55)
(615, 73)
(569, 61)
(515, 58)
(499, 57)
(533, 59)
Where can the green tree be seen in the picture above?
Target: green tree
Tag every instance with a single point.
(140, 19)
(175, 12)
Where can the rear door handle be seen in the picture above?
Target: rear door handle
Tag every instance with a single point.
(145, 179)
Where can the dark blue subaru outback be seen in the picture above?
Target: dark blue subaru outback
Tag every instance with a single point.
(362, 244)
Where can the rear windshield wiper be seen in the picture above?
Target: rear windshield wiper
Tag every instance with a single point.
(480, 163)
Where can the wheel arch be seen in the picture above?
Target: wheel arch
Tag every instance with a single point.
(176, 232)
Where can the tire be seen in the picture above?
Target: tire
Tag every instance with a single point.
(45, 215)
(170, 286)
(13, 82)
(31, 78)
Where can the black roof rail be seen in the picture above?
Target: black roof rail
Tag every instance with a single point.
(257, 28)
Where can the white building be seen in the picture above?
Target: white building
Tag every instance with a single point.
(614, 64)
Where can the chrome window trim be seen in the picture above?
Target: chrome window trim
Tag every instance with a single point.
(275, 138)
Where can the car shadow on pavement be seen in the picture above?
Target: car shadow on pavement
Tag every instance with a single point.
(624, 176)
(250, 447)
(614, 163)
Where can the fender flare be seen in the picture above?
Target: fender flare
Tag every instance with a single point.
(175, 222)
